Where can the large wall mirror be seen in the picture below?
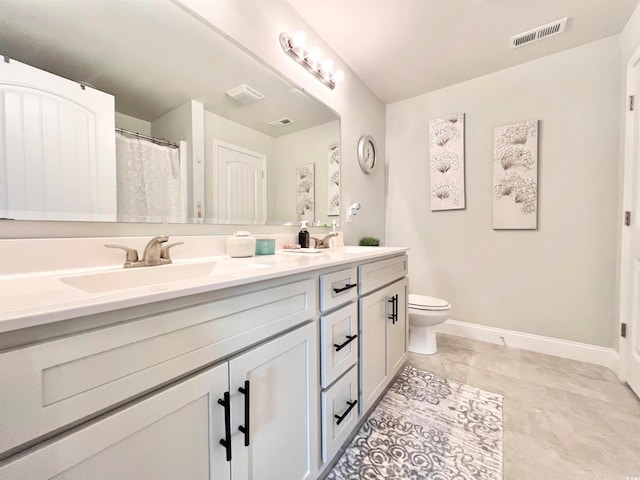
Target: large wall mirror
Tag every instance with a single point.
(251, 147)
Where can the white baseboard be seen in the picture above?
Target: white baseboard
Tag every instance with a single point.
(606, 357)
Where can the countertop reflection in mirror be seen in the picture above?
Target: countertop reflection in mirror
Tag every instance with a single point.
(241, 127)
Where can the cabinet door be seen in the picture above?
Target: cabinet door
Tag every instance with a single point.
(173, 434)
(373, 346)
(383, 339)
(279, 415)
(397, 330)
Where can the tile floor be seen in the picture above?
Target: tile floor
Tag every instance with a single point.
(563, 419)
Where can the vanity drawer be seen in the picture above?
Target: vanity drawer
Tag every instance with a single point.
(374, 275)
(338, 288)
(338, 343)
(339, 413)
(53, 384)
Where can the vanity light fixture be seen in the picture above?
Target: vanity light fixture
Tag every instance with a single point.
(311, 59)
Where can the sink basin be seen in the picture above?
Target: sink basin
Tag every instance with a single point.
(97, 282)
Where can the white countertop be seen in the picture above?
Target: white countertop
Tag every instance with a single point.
(38, 298)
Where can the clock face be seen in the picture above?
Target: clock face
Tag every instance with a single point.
(367, 153)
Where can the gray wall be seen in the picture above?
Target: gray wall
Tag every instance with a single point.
(558, 281)
(307, 146)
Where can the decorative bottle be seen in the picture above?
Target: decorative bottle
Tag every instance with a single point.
(303, 235)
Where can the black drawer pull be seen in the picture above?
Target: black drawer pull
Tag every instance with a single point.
(226, 441)
(350, 338)
(247, 401)
(345, 288)
(344, 415)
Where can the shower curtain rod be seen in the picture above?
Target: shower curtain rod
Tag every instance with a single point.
(157, 141)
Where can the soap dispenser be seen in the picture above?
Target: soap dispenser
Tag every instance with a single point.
(336, 240)
(303, 236)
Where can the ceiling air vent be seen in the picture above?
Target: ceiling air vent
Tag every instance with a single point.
(245, 94)
(281, 123)
(545, 31)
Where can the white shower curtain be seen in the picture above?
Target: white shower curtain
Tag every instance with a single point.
(149, 182)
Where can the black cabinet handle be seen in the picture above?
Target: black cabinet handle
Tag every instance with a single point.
(350, 338)
(344, 415)
(394, 309)
(246, 429)
(345, 288)
(226, 441)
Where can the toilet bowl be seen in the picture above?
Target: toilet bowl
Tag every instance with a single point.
(424, 314)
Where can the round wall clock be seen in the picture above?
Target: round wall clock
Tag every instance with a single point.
(367, 153)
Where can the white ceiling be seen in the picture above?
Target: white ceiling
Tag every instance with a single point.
(404, 48)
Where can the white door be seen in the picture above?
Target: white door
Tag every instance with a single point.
(240, 184)
(57, 147)
(277, 409)
(173, 434)
(630, 298)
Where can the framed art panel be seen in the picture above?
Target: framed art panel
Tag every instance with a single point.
(515, 176)
(305, 192)
(446, 159)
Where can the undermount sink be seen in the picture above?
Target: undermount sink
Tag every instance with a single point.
(97, 282)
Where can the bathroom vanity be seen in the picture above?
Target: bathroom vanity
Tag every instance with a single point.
(241, 368)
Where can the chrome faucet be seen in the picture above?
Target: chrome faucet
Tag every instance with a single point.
(154, 253)
(324, 242)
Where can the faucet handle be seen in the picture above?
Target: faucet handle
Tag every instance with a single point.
(132, 253)
(164, 253)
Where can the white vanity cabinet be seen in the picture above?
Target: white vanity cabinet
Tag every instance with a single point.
(264, 380)
(48, 387)
(383, 326)
(177, 432)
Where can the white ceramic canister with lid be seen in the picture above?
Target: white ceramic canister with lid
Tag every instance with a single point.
(241, 244)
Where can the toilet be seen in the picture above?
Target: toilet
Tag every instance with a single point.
(424, 314)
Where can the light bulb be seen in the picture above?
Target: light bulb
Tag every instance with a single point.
(299, 39)
(314, 55)
(327, 66)
(338, 76)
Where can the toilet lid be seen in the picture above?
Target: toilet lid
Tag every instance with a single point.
(423, 302)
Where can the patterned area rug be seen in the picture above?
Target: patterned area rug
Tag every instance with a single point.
(427, 427)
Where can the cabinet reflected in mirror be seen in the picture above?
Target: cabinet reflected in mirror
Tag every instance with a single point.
(170, 74)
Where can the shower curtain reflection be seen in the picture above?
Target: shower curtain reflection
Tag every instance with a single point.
(150, 182)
